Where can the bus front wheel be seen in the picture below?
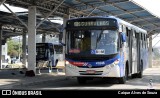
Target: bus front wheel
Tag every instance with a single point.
(122, 80)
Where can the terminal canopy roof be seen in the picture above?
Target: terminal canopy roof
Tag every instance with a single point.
(127, 10)
(11, 26)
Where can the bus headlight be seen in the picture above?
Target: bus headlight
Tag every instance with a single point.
(116, 62)
(70, 65)
(67, 62)
(113, 64)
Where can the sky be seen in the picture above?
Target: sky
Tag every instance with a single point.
(153, 6)
(14, 9)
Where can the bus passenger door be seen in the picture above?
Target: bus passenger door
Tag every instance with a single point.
(130, 50)
(134, 52)
(138, 51)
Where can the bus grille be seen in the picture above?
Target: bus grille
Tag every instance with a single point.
(95, 73)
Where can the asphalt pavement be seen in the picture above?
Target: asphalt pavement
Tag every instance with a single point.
(12, 78)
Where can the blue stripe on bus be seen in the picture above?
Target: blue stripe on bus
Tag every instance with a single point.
(97, 63)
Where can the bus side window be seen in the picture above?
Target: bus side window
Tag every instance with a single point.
(51, 50)
(127, 37)
(145, 39)
(133, 39)
(141, 40)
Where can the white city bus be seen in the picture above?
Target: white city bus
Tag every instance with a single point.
(104, 47)
(49, 52)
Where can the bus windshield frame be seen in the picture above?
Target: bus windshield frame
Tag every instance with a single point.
(98, 32)
(93, 42)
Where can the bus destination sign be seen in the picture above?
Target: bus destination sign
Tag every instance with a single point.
(92, 23)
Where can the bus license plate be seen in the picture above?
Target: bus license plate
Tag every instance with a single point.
(90, 71)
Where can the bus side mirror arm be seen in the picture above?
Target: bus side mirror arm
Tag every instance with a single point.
(122, 39)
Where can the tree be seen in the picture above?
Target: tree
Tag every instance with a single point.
(13, 47)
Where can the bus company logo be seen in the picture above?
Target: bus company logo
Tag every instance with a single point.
(6, 92)
(100, 63)
(89, 65)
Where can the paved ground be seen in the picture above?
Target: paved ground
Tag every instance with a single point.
(10, 79)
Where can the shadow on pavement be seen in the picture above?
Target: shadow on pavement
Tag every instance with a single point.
(10, 78)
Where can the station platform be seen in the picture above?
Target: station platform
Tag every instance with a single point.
(10, 78)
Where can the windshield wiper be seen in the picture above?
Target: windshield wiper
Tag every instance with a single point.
(99, 38)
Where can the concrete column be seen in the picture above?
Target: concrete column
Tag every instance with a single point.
(64, 33)
(150, 51)
(0, 47)
(43, 38)
(32, 39)
(24, 50)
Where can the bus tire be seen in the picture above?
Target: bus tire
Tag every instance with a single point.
(123, 79)
(56, 63)
(81, 80)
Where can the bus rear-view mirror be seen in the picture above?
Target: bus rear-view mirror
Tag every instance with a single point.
(123, 37)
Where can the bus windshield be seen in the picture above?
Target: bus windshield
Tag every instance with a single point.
(44, 50)
(93, 42)
(41, 52)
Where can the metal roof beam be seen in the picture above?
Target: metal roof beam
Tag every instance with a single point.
(155, 36)
(135, 15)
(92, 11)
(153, 32)
(53, 25)
(129, 12)
(154, 29)
(76, 12)
(98, 5)
(50, 14)
(65, 9)
(156, 44)
(48, 6)
(16, 16)
(139, 19)
(46, 1)
(91, 6)
(2, 1)
(142, 19)
(86, 6)
(41, 6)
(6, 17)
(125, 11)
(148, 23)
